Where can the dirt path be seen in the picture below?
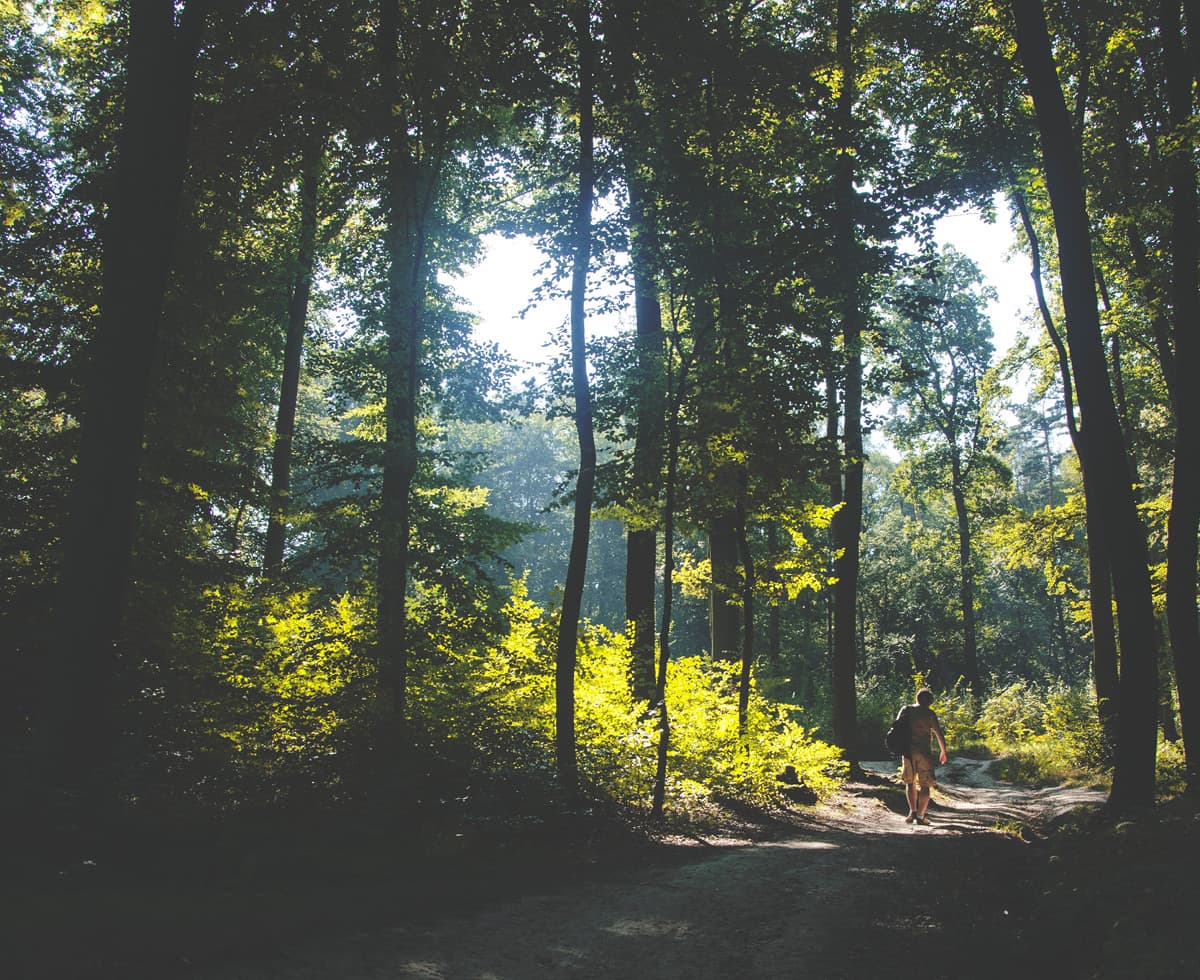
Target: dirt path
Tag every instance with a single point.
(820, 904)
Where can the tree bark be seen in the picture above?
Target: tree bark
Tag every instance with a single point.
(847, 522)
(1100, 429)
(641, 541)
(289, 389)
(1105, 674)
(1183, 523)
(966, 582)
(568, 628)
(138, 240)
(725, 617)
(410, 181)
(747, 561)
(674, 399)
(775, 614)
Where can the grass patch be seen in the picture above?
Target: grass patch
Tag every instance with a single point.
(1043, 763)
(974, 749)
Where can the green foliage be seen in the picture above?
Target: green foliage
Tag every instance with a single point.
(707, 749)
(289, 672)
(497, 705)
(1012, 714)
(1170, 770)
(957, 709)
(1046, 734)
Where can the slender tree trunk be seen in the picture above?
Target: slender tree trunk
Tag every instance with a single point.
(1100, 599)
(1183, 523)
(1104, 452)
(847, 522)
(775, 615)
(138, 240)
(674, 399)
(409, 186)
(747, 561)
(568, 628)
(297, 317)
(715, 337)
(725, 617)
(1064, 638)
(966, 584)
(641, 550)
(1159, 325)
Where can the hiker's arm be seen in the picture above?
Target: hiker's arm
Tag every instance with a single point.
(937, 730)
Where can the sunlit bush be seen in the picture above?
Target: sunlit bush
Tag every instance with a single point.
(289, 670)
(707, 748)
(1046, 735)
(958, 711)
(1170, 768)
(1012, 714)
(295, 677)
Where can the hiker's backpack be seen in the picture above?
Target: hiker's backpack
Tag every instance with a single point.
(898, 739)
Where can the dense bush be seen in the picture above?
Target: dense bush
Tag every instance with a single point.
(294, 683)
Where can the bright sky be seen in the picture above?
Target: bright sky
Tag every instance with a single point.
(990, 247)
(502, 285)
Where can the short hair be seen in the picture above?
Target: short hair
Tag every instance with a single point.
(924, 697)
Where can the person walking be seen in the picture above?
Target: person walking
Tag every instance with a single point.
(918, 761)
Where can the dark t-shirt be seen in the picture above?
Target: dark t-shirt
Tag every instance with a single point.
(922, 723)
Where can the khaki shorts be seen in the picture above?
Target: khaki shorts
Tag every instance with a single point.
(918, 769)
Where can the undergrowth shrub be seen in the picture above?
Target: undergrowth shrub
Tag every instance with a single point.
(1170, 769)
(297, 683)
(1046, 734)
(957, 710)
(706, 748)
(499, 701)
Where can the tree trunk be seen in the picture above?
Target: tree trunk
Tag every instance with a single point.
(1104, 449)
(747, 561)
(966, 586)
(641, 550)
(847, 522)
(775, 614)
(285, 421)
(674, 399)
(138, 240)
(1183, 522)
(568, 628)
(1104, 633)
(725, 617)
(409, 185)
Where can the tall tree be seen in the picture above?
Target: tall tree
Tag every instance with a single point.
(1104, 634)
(568, 628)
(641, 536)
(847, 522)
(1184, 521)
(944, 340)
(297, 320)
(143, 202)
(411, 175)
(1100, 428)
(447, 70)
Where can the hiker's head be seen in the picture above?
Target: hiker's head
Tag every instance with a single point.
(924, 697)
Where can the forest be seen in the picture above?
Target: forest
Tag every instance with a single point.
(282, 534)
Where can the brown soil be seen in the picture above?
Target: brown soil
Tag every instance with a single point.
(846, 889)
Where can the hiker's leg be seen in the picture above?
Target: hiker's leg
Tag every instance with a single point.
(923, 766)
(922, 802)
(908, 773)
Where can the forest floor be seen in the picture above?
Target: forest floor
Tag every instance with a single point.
(1006, 881)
